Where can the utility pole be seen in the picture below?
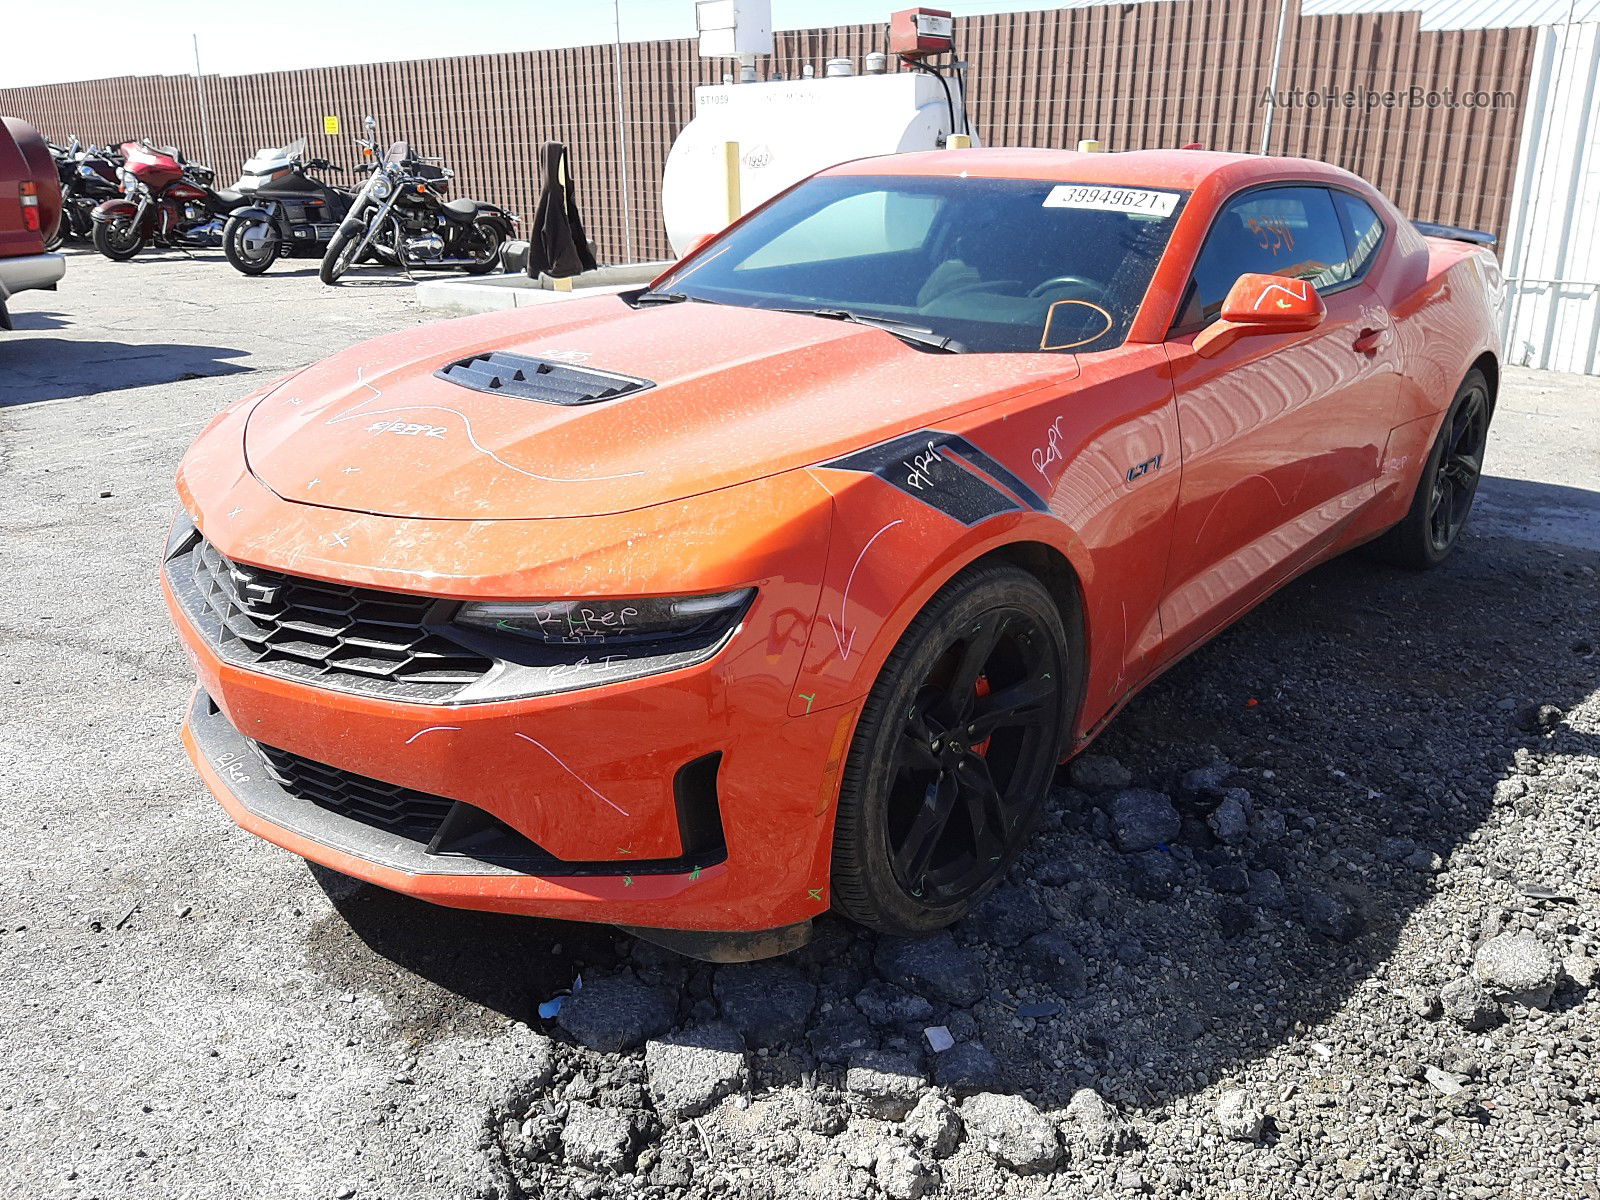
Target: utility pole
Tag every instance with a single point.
(622, 133)
(200, 91)
(1277, 62)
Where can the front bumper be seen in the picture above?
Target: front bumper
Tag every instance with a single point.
(595, 782)
(28, 272)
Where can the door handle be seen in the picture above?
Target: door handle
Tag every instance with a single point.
(1369, 341)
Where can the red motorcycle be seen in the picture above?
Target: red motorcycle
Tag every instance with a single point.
(165, 200)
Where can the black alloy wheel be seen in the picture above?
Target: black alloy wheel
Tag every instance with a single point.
(1442, 502)
(482, 243)
(954, 753)
(1455, 479)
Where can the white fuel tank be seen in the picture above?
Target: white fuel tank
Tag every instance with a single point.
(788, 129)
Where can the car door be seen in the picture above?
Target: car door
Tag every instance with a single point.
(1280, 433)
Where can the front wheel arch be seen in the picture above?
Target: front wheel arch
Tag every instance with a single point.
(1055, 571)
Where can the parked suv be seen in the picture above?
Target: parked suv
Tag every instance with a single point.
(30, 208)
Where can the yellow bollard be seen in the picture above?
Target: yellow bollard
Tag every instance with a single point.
(730, 168)
(958, 141)
(1090, 146)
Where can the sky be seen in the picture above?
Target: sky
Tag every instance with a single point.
(239, 39)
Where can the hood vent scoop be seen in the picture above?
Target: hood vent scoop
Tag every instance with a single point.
(539, 379)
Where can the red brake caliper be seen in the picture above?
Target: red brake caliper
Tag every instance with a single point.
(982, 690)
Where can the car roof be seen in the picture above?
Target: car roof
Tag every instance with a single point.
(1185, 169)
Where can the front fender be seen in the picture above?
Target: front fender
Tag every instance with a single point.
(256, 213)
(110, 210)
(1092, 473)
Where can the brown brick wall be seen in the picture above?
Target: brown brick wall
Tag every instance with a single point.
(1132, 75)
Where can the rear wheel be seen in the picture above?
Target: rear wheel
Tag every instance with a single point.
(482, 244)
(118, 238)
(251, 245)
(954, 753)
(1439, 510)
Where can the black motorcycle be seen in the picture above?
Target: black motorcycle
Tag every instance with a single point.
(293, 214)
(401, 212)
(88, 177)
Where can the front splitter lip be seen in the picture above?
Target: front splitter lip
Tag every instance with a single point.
(224, 749)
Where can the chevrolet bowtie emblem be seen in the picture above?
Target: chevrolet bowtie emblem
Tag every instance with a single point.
(251, 590)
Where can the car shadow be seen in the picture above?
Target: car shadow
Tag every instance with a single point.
(25, 322)
(31, 367)
(1366, 710)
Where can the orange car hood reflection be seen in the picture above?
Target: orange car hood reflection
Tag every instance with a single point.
(739, 394)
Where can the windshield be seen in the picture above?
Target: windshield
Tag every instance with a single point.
(992, 264)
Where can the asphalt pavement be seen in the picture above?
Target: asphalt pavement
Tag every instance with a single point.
(188, 1011)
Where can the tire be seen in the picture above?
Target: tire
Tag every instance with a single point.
(117, 239)
(928, 823)
(57, 239)
(237, 248)
(484, 242)
(339, 256)
(1431, 527)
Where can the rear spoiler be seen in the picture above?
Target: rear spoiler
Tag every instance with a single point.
(1455, 233)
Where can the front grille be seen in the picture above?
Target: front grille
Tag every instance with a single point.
(539, 379)
(347, 638)
(386, 806)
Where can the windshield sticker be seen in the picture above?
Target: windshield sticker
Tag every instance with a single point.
(1134, 201)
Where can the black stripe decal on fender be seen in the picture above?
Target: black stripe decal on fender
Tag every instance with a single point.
(1001, 472)
(943, 471)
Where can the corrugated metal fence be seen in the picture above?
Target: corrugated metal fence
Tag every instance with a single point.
(1552, 256)
(1366, 91)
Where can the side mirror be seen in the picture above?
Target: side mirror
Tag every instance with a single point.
(1262, 304)
(699, 244)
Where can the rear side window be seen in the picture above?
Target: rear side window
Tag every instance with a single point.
(1363, 230)
(1289, 231)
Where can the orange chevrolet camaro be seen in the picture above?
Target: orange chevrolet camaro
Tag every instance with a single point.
(785, 583)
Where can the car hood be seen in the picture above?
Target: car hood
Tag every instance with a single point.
(736, 394)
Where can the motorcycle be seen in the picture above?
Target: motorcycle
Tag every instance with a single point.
(294, 213)
(401, 212)
(166, 200)
(88, 176)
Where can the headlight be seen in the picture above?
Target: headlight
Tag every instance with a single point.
(88, 172)
(563, 645)
(381, 187)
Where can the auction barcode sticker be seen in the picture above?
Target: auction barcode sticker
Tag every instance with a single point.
(1112, 199)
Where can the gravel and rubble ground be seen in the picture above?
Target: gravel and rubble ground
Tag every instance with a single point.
(1320, 916)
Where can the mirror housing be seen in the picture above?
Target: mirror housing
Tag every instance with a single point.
(698, 245)
(1262, 304)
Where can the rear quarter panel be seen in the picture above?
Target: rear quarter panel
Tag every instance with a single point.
(1446, 298)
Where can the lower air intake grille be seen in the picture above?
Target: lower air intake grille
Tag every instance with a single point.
(385, 806)
(539, 379)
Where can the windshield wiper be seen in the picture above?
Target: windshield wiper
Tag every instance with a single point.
(906, 333)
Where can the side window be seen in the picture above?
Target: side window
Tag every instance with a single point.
(1290, 231)
(1363, 230)
(880, 222)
